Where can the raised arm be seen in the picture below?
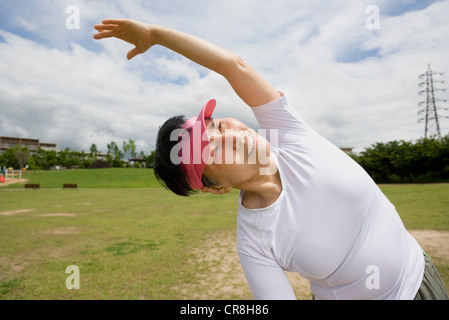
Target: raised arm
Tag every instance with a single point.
(249, 85)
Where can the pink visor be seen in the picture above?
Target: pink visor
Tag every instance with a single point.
(195, 149)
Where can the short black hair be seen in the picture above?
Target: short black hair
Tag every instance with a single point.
(171, 175)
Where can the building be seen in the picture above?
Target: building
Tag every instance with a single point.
(347, 150)
(33, 145)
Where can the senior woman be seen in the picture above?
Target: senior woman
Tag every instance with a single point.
(304, 205)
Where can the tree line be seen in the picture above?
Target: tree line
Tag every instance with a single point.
(425, 160)
(19, 157)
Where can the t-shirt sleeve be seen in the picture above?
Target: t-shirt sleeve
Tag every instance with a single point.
(267, 282)
(286, 122)
(278, 114)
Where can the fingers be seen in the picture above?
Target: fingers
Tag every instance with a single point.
(113, 21)
(132, 53)
(114, 28)
(108, 28)
(105, 34)
(101, 27)
(106, 31)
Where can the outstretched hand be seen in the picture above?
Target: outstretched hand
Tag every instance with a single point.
(131, 31)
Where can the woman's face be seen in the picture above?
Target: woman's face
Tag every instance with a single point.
(236, 152)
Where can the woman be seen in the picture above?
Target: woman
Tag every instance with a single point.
(304, 205)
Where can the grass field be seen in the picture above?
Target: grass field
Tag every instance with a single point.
(132, 239)
(93, 178)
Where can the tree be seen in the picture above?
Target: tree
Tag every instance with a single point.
(93, 151)
(114, 155)
(150, 159)
(129, 149)
(21, 154)
(426, 160)
(7, 159)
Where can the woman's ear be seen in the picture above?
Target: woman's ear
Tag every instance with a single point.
(217, 189)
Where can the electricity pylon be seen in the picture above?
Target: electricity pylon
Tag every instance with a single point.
(430, 109)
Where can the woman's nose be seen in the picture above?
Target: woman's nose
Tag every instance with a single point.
(230, 138)
(234, 139)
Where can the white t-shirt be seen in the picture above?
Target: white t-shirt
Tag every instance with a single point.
(331, 223)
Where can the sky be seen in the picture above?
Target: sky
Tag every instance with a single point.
(349, 67)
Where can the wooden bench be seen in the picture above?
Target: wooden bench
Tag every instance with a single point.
(70, 186)
(32, 186)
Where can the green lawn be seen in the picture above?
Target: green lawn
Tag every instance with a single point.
(131, 238)
(421, 206)
(128, 243)
(93, 178)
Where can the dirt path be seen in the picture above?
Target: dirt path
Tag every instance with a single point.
(11, 181)
(435, 243)
(221, 276)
